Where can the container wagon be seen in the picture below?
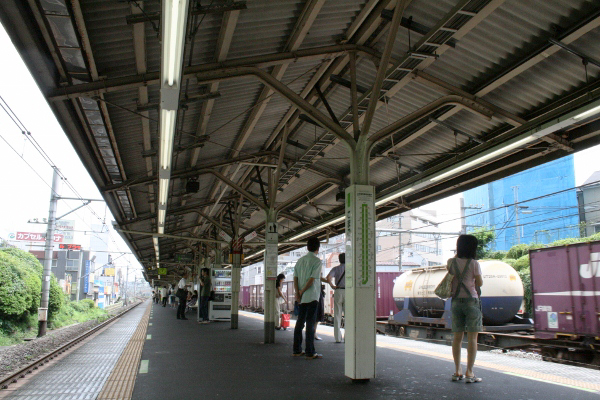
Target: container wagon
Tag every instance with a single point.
(566, 301)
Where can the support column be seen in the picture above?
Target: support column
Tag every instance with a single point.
(236, 259)
(360, 268)
(49, 249)
(360, 282)
(270, 275)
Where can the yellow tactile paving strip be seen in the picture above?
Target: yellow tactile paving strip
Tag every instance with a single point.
(119, 384)
(486, 364)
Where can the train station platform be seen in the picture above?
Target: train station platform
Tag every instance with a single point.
(184, 360)
(149, 354)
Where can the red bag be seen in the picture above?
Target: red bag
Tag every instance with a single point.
(285, 320)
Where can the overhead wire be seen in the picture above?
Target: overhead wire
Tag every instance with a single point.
(27, 134)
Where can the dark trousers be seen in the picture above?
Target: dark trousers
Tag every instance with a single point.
(308, 314)
(164, 301)
(204, 307)
(181, 308)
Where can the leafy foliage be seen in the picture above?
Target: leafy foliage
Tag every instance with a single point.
(484, 236)
(522, 263)
(525, 275)
(14, 296)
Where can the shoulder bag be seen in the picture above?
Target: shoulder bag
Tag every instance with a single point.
(444, 289)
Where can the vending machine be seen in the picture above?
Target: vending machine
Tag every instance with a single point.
(219, 309)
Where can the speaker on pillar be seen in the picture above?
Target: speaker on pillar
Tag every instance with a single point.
(192, 186)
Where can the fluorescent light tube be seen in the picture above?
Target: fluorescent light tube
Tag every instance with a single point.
(155, 241)
(175, 15)
(588, 113)
(161, 216)
(483, 158)
(161, 229)
(163, 191)
(167, 132)
(316, 228)
(392, 196)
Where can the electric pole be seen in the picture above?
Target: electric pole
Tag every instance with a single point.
(516, 192)
(49, 250)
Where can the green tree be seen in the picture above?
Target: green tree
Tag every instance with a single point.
(485, 236)
(14, 296)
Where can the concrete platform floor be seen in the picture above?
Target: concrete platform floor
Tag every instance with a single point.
(186, 360)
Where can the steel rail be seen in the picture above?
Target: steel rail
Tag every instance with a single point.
(28, 369)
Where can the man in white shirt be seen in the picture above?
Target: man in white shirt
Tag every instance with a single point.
(164, 294)
(182, 296)
(339, 296)
(307, 285)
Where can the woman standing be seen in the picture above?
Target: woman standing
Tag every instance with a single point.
(466, 306)
(278, 300)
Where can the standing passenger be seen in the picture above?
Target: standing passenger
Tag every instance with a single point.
(339, 296)
(164, 294)
(204, 294)
(181, 296)
(278, 300)
(307, 274)
(466, 306)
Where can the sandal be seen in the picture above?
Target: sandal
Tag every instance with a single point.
(457, 377)
(313, 356)
(472, 379)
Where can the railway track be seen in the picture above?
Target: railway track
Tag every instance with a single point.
(40, 362)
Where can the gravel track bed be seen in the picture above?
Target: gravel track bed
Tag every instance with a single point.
(19, 355)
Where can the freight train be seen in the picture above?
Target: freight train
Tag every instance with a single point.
(565, 301)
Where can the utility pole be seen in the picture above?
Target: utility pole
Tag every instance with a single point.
(125, 286)
(399, 244)
(49, 250)
(516, 193)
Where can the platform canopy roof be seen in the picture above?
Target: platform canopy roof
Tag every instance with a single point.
(474, 90)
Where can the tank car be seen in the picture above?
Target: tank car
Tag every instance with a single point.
(501, 295)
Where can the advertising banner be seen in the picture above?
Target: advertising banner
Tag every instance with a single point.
(86, 280)
(36, 237)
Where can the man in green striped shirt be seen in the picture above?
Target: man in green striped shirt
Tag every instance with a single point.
(307, 282)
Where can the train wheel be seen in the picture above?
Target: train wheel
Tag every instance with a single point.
(549, 354)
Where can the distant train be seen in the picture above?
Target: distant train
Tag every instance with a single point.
(501, 294)
(252, 297)
(566, 304)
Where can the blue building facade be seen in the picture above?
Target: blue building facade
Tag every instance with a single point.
(551, 216)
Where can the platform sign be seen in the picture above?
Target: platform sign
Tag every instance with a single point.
(250, 236)
(271, 240)
(225, 236)
(86, 281)
(184, 257)
(360, 234)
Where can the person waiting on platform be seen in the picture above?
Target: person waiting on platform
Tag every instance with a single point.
(339, 296)
(181, 295)
(164, 293)
(466, 304)
(278, 300)
(205, 287)
(307, 274)
(172, 297)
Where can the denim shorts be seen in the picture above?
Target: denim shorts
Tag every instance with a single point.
(466, 315)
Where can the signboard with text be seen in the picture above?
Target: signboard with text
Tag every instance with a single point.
(36, 237)
(65, 246)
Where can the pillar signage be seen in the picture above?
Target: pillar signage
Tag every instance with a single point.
(225, 236)
(360, 217)
(271, 240)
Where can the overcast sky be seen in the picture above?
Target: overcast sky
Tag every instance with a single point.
(25, 195)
